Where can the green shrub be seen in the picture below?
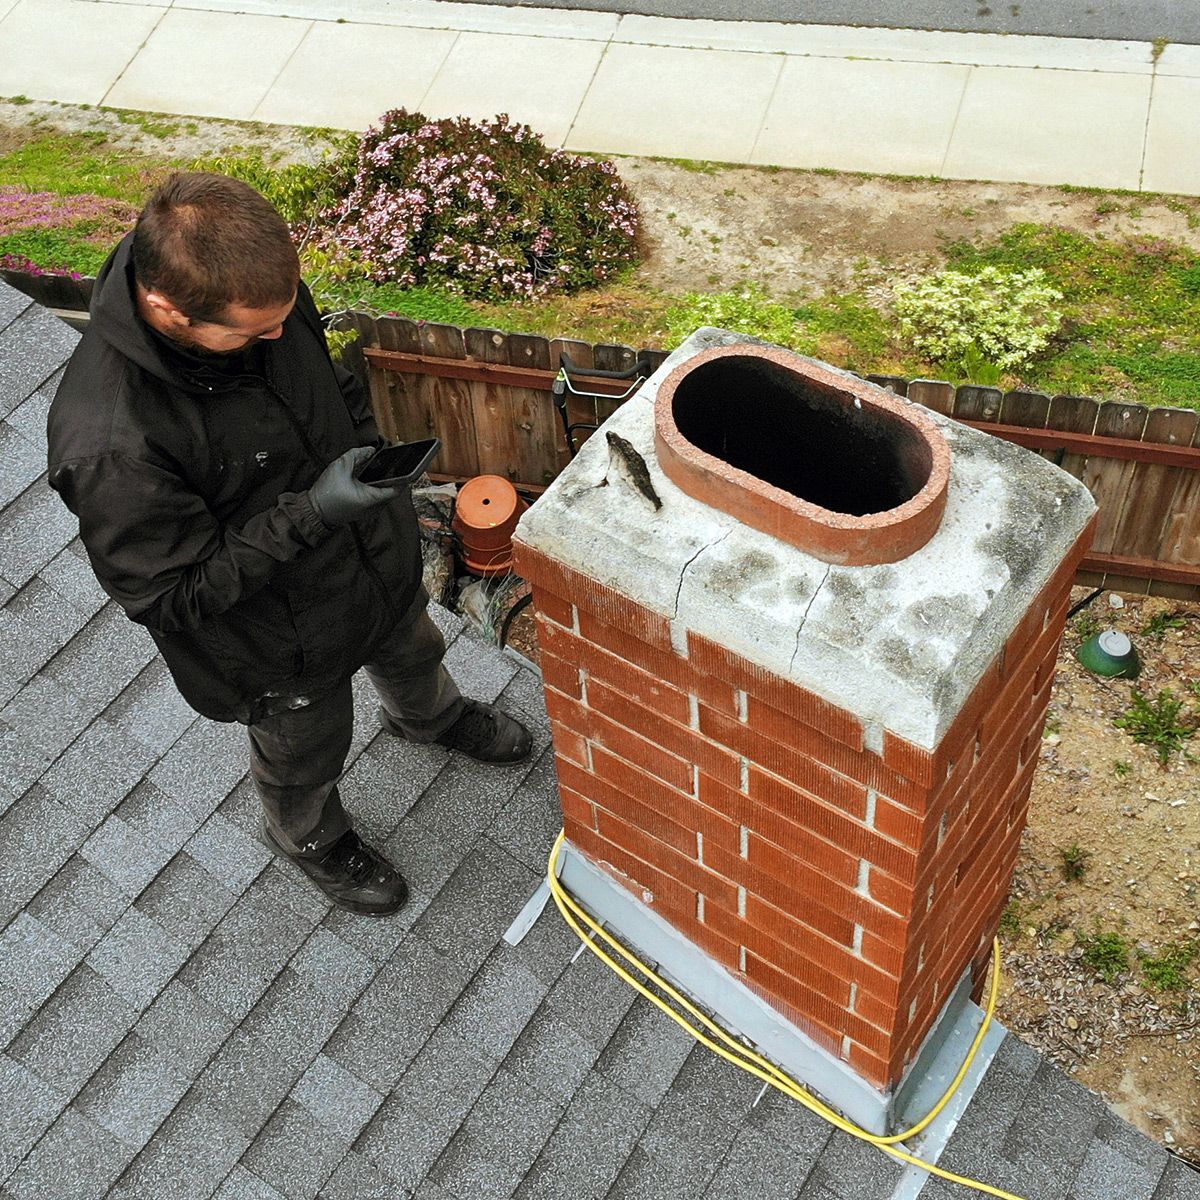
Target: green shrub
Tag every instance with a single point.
(484, 207)
(1159, 723)
(996, 316)
(747, 309)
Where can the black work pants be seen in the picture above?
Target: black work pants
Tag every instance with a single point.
(297, 755)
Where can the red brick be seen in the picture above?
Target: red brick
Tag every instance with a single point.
(710, 940)
(901, 825)
(885, 955)
(798, 807)
(606, 603)
(625, 643)
(809, 779)
(890, 892)
(561, 675)
(666, 859)
(875, 1011)
(771, 689)
(567, 711)
(812, 1004)
(879, 1071)
(568, 744)
(671, 736)
(908, 759)
(671, 803)
(639, 876)
(826, 859)
(641, 815)
(650, 757)
(577, 808)
(635, 683)
(784, 929)
(552, 608)
(792, 751)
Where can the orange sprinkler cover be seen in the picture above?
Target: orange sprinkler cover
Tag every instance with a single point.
(485, 516)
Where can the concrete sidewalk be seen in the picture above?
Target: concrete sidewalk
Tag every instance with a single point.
(955, 105)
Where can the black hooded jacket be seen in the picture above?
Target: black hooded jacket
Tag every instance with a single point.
(190, 479)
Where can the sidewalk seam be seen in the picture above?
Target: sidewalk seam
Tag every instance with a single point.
(440, 68)
(1146, 129)
(279, 74)
(783, 61)
(962, 99)
(587, 90)
(166, 8)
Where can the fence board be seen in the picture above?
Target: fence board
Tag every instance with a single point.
(401, 403)
(1181, 535)
(972, 403)
(544, 453)
(1108, 479)
(892, 383)
(1071, 414)
(500, 419)
(1029, 409)
(450, 402)
(935, 394)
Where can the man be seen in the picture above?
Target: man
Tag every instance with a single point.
(208, 445)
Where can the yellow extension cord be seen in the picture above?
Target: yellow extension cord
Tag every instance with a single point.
(747, 1059)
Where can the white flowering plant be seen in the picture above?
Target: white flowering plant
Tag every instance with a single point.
(1000, 317)
(483, 207)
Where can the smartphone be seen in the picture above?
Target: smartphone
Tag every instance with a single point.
(394, 466)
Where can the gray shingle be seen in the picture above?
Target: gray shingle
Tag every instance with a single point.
(402, 1143)
(186, 900)
(21, 461)
(102, 659)
(37, 835)
(759, 1167)
(31, 1105)
(698, 1118)
(32, 347)
(189, 1156)
(644, 1177)
(29, 417)
(47, 715)
(377, 939)
(1131, 1143)
(125, 856)
(232, 856)
(76, 1158)
(290, 888)
(138, 957)
(79, 903)
(206, 762)
(74, 1031)
(24, 650)
(374, 1051)
(34, 960)
(33, 529)
(502, 1135)
(293, 1019)
(496, 1005)
(333, 967)
(336, 1097)
(426, 864)
(591, 997)
(1178, 1182)
(481, 671)
(646, 1052)
(589, 1147)
(1106, 1172)
(152, 710)
(241, 1184)
(184, 1027)
(385, 782)
(163, 820)
(12, 304)
(245, 1082)
(296, 1153)
(845, 1159)
(98, 770)
(357, 1178)
(243, 954)
(133, 1092)
(70, 575)
(528, 824)
(551, 1056)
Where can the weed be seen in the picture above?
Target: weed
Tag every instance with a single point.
(1074, 862)
(1105, 207)
(1010, 920)
(1157, 47)
(1106, 953)
(1122, 768)
(1158, 624)
(19, 100)
(746, 309)
(1158, 723)
(1167, 970)
(1086, 624)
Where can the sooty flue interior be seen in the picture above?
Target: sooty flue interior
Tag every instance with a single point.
(783, 429)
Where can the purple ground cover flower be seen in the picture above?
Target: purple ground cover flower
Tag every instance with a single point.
(98, 218)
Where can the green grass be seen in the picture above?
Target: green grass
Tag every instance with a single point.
(78, 162)
(1106, 953)
(1167, 970)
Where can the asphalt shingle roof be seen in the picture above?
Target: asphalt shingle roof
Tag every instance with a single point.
(182, 1015)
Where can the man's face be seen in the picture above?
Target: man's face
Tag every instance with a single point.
(238, 329)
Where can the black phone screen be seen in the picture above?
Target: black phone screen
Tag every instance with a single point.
(397, 462)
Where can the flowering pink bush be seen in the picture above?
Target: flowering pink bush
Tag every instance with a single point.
(485, 207)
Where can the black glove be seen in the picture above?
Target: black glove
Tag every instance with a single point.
(339, 498)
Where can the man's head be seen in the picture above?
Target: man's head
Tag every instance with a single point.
(214, 263)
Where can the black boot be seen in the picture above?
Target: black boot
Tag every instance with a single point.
(353, 875)
(482, 731)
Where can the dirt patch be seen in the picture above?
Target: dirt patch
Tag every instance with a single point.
(1132, 826)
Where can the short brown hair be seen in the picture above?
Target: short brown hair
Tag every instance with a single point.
(208, 241)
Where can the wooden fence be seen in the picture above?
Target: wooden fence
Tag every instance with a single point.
(487, 395)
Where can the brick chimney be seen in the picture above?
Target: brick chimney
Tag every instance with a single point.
(797, 671)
